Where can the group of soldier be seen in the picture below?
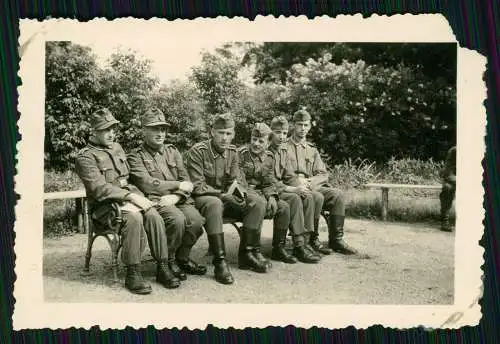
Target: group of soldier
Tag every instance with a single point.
(168, 200)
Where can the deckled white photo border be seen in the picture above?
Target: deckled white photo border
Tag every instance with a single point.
(31, 311)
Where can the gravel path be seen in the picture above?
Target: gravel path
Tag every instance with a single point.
(399, 264)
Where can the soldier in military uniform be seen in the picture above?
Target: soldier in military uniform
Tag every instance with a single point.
(103, 169)
(449, 178)
(213, 167)
(157, 169)
(289, 189)
(257, 163)
(311, 170)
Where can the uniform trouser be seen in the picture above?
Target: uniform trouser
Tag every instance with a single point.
(334, 201)
(446, 197)
(313, 204)
(298, 207)
(133, 235)
(211, 208)
(175, 225)
(250, 214)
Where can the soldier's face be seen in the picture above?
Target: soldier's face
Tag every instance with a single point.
(223, 137)
(105, 137)
(302, 128)
(259, 144)
(154, 136)
(279, 136)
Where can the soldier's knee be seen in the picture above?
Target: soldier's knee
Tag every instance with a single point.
(258, 203)
(196, 223)
(213, 205)
(318, 197)
(283, 207)
(295, 202)
(133, 219)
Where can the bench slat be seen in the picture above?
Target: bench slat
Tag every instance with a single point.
(403, 186)
(65, 194)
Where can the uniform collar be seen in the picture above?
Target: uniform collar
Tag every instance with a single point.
(152, 151)
(95, 145)
(214, 153)
(296, 143)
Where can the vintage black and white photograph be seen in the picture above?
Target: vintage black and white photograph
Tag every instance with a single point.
(251, 171)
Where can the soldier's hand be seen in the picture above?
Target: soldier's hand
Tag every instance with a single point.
(302, 190)
(186, 186)
(140, 201)
(272, 207)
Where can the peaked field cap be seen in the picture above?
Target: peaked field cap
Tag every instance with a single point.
(102, 119)
(279, 123)
(301, 115)
(261, 130)
(153, 117)
(223, 121)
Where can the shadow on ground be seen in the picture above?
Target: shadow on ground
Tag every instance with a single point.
(398, 264)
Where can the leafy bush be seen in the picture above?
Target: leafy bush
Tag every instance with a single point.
(413, 171)
(353, 174)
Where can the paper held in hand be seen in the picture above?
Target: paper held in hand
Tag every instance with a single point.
(169, 200)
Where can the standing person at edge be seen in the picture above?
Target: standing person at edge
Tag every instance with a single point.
(289, 189)
(257, 163)
(157, 170)
(307, 163)
(213, 166)
(103, 169)
(449, 180)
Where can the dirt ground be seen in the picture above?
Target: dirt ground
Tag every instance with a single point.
(398, 264)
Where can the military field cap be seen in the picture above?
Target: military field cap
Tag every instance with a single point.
(102, 119)
(261, 130)
(224, 121)
(279, 123)
(153, 117)
(301, 116)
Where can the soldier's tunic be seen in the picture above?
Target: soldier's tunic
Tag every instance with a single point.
(306, 161)
(259, 174)
(105, 175)
(285, 175)
(448, 181)
(159, 173)
(212, 173)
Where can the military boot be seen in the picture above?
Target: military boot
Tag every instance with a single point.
(134, 281)
(279, 252)
(445, 222)
(314, 242)
(165, 276)
(256, 242)
(183, 261)
(304, 255)
(172, 264)
(246, 258)
(308, 248)
(218, 250)
(336, 235)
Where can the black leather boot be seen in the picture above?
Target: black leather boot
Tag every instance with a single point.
(134, 281)
(166, 277)
(183, 261)
(246, 258)
(305, 256)
(314, 242)
(172, 264)
(336, 235)
(279, 252)
(445, 221)
(256, 250)
(308, 248)
(218, 250)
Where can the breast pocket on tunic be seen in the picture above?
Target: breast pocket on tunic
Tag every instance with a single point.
(172, 166)
(150, 165)
(107, 170)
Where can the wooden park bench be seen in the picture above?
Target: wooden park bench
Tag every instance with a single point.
(109, 232)
(385, 192)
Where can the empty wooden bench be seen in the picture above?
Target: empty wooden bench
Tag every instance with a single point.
(385, 192)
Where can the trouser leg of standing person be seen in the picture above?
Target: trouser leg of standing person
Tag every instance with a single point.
(446, 199)
(300, 209)
(175, 224)
(133, 245)
(314, 242)
(335, 204)
(192, 232)
(154, 227)
(252, 216)
(211, 208)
